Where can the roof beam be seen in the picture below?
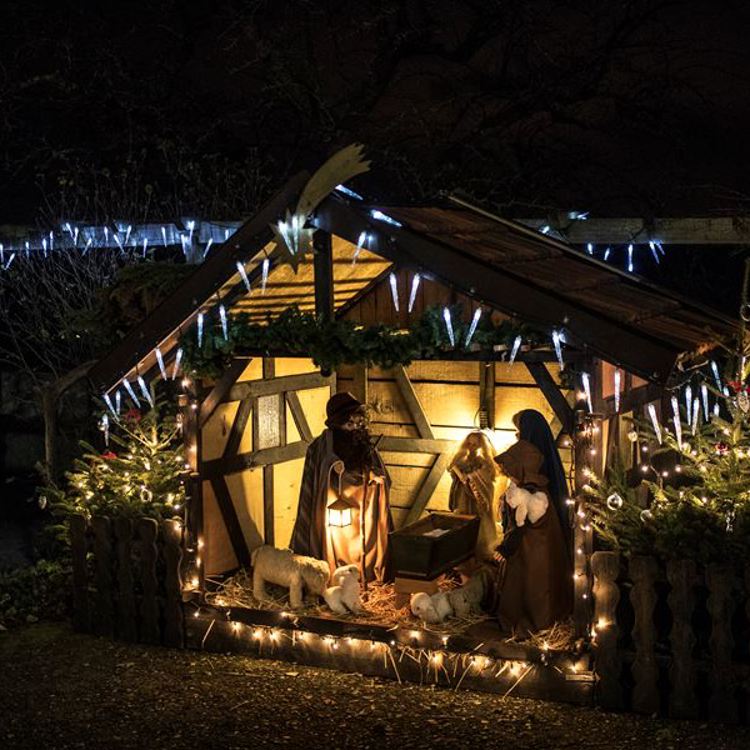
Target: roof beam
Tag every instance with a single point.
(616, 342)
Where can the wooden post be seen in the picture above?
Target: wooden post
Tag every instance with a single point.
(605, 567)
(79, 549)
(126, 624)
(269, 370)
(149, 604)
(487, 395)
(323, 269)
(643, 571)
(174, 629)
(103, 620)
(683, 702)
(722, 705)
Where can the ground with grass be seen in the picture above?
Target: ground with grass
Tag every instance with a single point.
(63, 690)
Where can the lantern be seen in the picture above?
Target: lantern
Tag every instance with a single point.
(339, 513)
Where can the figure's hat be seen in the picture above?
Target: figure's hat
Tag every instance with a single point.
(339, 407)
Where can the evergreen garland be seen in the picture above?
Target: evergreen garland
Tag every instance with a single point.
(330, 343)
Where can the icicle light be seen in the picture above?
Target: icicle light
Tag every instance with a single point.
(393, 281)
(630, 257)
(145, 391)
(449, 326)
(414, 288)
(360, 244)
(704, 398)
(557, 342)
(164, 236)
(655, 422)
(118, 401)
(207, 247)
(689, 403)
(110, 406)
(223, 318)
(131, 392)
(590, 248)
(585, 377)
(676, 420)
(696, 414)
(715, 371)
(617, 379)
(160, 362)
(177, 362)
(200, 330)
(264, 274)
(243, 275)
(380, 216)
(473, 326)
(515, 349)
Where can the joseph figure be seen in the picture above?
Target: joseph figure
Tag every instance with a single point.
(342, 464)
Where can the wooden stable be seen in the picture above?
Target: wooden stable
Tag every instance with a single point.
(247, 431)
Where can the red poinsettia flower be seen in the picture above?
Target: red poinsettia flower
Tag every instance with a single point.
(109, 455)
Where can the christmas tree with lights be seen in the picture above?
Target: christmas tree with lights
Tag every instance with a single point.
(140, 473)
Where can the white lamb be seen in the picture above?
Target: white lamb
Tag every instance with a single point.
(431, 609)
(343, 596)
(284, 568)
(526, 504)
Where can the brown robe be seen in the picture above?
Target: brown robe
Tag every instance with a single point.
(535, 585)
(370, 513)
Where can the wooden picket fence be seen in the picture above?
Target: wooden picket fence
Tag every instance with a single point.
(126, 579)
(672, 638)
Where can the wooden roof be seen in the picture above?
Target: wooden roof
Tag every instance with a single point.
(510, 268)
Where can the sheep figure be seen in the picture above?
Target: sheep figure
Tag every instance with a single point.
(343, 596)
(526, 504)
(295, 572)
(423, 607)
(467, 599)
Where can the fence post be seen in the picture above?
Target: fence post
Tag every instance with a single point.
(605, 567)
(79, 549)
(126, 624)
(683, 701)
(172, 550)
(103, 620)
(149, 609)
(643, 571)
(722, 705)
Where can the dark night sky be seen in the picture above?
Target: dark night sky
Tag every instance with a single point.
(148, 110)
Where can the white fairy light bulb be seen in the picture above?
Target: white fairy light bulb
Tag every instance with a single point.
(704, 398)
(131, 392)
(557, 342)
(177, 361)
(473, 326)
(655, 422)
(265, 267)
(160, 362)
(413, 293)
(617, 379)
(514, 351)
(688, 403)
(393, 281)
(676, 420)
(200, 329)
(243, 274)
(223, 318)
(449, 325)
(145, 391)
(587, 390)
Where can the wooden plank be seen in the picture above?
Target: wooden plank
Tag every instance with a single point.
(222, 387)
(300, 420)
(253, 459)
(174, 626)
(148, 610)
(412, 403)
(323, 264)
(254, 388)
(487, 394)
(238, 427)
(270, 410)
(229, 516)
(78, 526)
(360, 383)
(428, 487)
(415, 445)
(646, 355)
(126, 623)
(103, 616)
(552, 393)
